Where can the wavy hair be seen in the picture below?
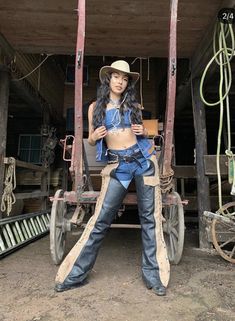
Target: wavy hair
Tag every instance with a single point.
(128, 99)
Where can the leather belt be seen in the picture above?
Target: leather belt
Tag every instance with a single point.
(115, 157)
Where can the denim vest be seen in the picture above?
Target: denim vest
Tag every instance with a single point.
(113, 121)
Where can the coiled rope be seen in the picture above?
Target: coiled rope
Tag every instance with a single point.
(223, 55)
(8, 197)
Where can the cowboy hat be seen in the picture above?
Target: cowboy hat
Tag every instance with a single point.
(119, 65)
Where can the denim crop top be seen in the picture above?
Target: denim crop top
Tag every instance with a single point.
(114, 120)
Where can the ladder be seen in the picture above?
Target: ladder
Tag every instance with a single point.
(20, 230)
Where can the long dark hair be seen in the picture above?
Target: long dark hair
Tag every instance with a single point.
(128, 99)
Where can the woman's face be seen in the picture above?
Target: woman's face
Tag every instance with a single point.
(118, 82)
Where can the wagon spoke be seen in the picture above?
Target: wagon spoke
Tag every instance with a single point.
(173, 212)
(227, 242)
(172, 245)
(232, 252)
(175, 233)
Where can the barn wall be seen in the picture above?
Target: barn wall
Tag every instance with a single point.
(18, 126)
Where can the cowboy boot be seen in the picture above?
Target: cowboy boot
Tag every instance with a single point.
(150, 226)
(88, 245)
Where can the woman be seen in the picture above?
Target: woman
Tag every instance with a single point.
(116, 128)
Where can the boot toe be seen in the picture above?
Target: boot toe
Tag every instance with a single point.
(159, 290)
(61, 287)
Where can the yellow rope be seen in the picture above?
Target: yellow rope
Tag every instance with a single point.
(222, 56)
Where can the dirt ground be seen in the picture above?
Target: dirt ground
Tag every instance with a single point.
(202, 286)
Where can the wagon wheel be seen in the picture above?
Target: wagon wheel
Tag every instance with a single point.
(174, 229)
(223, 233)
(57, 230)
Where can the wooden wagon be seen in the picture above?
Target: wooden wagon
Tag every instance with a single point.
(82, 197)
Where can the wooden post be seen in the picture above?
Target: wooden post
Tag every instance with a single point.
(46, 176)
(45, 188)
(203, 193)
(4, 97)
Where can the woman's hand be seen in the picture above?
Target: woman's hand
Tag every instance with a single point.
(99, 133)
(139, 129)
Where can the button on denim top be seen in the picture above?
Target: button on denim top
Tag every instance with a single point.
(113, 121)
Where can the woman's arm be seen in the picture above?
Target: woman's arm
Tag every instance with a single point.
(99, 132)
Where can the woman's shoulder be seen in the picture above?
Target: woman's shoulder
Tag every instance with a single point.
(92, 106)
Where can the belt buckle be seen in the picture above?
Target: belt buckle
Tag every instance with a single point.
(127, 159)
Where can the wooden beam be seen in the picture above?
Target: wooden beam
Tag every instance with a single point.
(214, 200)
(210, 165)
(203, 193)
(35, 194)
(4, 97)
(30, 166)
(181, 171)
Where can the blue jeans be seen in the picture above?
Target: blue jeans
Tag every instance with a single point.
(126, 171)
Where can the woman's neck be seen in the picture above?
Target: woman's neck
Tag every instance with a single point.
(114, 97)
(115, 100)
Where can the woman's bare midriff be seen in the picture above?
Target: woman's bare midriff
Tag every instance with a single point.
(121, 138)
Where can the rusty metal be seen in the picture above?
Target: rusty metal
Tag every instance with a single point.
(90, 197)
(78, 124)
(67, 148)
(171, 91)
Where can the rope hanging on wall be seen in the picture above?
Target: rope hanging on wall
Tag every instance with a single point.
(224, 48)
(8, 197)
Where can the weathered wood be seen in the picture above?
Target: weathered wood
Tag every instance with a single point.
(210, 165)
(53, 24)
(27, 165)
(35, 194)
(171, 91)
(77, 164)
(44, 188)
(214, 201)
(181, 171)
(203, 193)
(4, 97)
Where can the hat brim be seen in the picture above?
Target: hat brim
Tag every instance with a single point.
(108, 70)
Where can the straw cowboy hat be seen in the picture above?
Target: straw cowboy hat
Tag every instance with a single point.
(119, 65)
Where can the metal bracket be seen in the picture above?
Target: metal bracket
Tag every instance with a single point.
(173, 67)
(79, 58)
